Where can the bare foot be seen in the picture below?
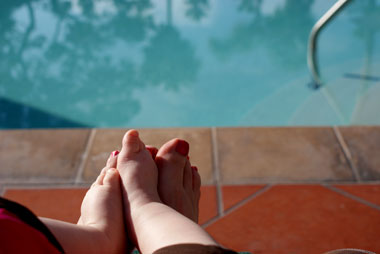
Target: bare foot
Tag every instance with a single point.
(102, 209)
(151, 224)
(138, 172)
(178, 182)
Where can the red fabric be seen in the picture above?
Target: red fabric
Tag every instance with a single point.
(18, 237)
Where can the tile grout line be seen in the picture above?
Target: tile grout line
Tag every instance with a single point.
(248, 199)
(347, 153)
(50, 185)
(349, 195)
(210, 221)
(250, 181)
(239, 205)
(215, 157)
(80, 169)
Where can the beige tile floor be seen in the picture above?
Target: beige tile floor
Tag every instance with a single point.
(223, 155)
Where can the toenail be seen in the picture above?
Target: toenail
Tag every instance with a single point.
(153, 151)
(115, 153)
(134, 133)
(111, 171)
(182, 147)
(195, 168)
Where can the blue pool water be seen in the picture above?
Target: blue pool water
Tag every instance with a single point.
(156, 63)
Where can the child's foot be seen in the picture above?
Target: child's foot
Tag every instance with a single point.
(102, 209)
(138, 172)
(178, 182)
(151, 224)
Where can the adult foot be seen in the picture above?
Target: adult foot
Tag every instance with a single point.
(178, 182)
(102, 210)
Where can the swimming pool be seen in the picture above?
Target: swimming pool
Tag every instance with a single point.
(154, 63)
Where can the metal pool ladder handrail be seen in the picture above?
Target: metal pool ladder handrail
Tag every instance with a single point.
(312, 51)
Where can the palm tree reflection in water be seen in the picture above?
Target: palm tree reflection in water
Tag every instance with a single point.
(85, 64)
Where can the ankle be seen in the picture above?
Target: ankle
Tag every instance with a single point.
(138, 199)
(100, 241)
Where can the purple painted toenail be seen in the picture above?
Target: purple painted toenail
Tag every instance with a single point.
(182, 147)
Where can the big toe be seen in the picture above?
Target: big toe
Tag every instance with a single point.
(171, 160)
(131, 145)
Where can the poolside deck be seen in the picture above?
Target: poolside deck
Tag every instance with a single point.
(265, 190)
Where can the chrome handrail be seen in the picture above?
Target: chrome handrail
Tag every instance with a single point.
(312, 50)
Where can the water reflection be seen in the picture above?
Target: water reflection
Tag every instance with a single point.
(171, 64)
(197, 9)
(281, 33)
(365, 17)
(67, 56)
(95, 62)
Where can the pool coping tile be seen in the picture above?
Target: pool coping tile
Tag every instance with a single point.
(107, 140)
(280, 154)
(363, 144)
(236, 155)
(42, 155)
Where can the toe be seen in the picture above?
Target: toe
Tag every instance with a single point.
(171, 160)
(188, 178)
(152, 150)
(196, 192)
(111, 178)
(112, 160)
(99, 179)
(132, 142)
(111, 163)
(131, 145)
(196, 182)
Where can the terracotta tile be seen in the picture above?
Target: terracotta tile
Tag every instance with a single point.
(299, 219)
(41, 155)
(107, 140)
(64, 204)
(208, 207)
(364, 145)
(233, 194)
(248, 155)
(60, 204)
(368, 192)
